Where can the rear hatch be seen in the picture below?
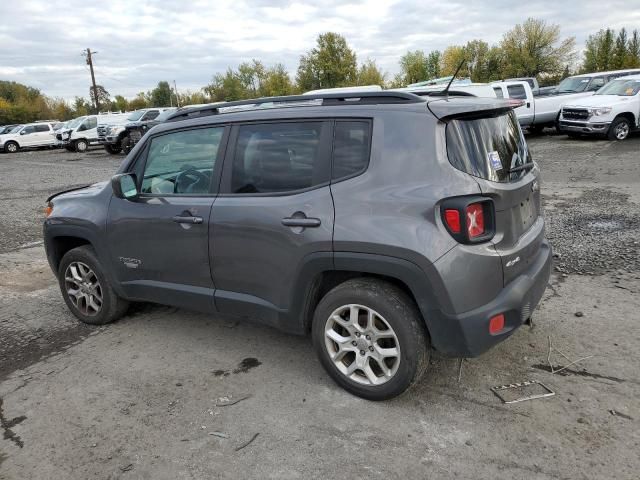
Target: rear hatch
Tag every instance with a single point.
(485, 141)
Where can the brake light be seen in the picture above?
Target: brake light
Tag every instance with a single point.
(469, 219)
(475, 220)
(452, 217)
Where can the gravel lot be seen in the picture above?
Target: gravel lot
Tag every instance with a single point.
(141, 398)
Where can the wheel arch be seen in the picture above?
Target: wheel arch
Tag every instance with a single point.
(629, 116)
(422, 287)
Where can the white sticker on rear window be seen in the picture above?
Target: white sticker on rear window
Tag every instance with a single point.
(494, 159)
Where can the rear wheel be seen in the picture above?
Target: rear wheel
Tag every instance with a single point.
(126, 144)
(536, 129)
(619, 129)
(81, 145)
(370, 338)
(11, 147)
(86, 290)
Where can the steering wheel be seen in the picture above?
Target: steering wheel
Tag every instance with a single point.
(191, 180)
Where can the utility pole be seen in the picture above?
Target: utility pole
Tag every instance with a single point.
(177, 97)
(93, 78)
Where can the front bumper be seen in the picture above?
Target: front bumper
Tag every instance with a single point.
(584, 127)
(467, 334)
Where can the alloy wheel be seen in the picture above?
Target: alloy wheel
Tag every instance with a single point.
(622, 130)
(12, 148)
(362, 345)
(83, 288)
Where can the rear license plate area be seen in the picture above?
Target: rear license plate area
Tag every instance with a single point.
(528, 212)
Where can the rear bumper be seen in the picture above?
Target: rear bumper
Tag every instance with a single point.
(584, 127)
(467, 334)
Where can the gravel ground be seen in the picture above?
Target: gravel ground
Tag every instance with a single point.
(142, 398)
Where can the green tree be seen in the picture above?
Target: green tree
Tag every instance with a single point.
(370, 74)
(276, 82)
(599, 51)
(413, 67)
(81, 107)
(140, 101)
(477, 56)
(120, 103)
(620, 50)
(226, 87)
(433, 61)
(452, 57)
(633, 51)
(330, 64)
(534, 48)
(161, 96)
(104, 98)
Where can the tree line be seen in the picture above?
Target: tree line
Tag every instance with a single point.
(534, 48)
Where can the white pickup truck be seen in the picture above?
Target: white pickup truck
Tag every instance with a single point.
(544, 110)
(613, 111)
(81, 132)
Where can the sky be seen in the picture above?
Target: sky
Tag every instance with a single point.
(139, 43)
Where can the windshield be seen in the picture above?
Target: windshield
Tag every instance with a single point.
(488, 148)
(573, 84)
(15, 129)
(136, 115)
(75, 122)
(623, 88)
(165, 114)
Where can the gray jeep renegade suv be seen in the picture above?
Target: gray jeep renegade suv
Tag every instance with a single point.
(382, 223)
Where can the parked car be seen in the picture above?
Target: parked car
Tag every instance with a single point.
(535, 86)
(382, 223)
(7, 128)
(82, 132)
(30, 135)
(473, 89)
(544, 110)
(614, 111)
(124, 136)
(114, 136)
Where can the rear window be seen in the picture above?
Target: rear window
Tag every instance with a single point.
(488, 148)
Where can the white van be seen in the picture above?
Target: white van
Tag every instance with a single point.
(83, 131)
(30, 135)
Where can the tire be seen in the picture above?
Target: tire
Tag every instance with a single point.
(11, 147)
(619, 129)
(81, 145)
(126, 144)
(390, 307)
(78, 268)
(535, 129)
(113, 149)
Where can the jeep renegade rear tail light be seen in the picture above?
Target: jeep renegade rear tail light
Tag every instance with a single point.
(475, 220)
(469, 219)
(452, 219)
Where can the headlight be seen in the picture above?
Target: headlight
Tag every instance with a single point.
(600, 111)
(116, 129)
(66, 135)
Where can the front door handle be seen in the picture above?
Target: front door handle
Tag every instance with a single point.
(187, 219)
(303, 222)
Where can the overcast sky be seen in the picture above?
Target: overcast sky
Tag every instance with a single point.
(141, 42)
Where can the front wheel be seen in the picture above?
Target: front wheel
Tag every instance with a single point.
(113, 148)
(11, 147)
(86, 290)
(619, 129)
(81, 145)
(370, 338)
(126, 144)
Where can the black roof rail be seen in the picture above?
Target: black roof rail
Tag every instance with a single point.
(321, 99)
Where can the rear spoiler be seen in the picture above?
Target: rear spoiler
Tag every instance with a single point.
(471, 107)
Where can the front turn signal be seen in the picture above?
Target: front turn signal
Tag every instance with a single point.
(48, 209)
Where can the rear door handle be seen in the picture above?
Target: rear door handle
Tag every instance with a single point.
(301, 222)
(186, 219)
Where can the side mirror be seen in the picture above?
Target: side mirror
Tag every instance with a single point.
(124, 186)
(23, 132)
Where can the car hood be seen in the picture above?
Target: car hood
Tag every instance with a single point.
(80, 191)
(599, 101)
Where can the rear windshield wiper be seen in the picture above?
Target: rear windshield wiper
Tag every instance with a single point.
(521, 167)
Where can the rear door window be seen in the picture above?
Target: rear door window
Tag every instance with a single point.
(280, 157)
(42, 128)
(488, 148)
(517, 91)
(498, 91)
(351, 141)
